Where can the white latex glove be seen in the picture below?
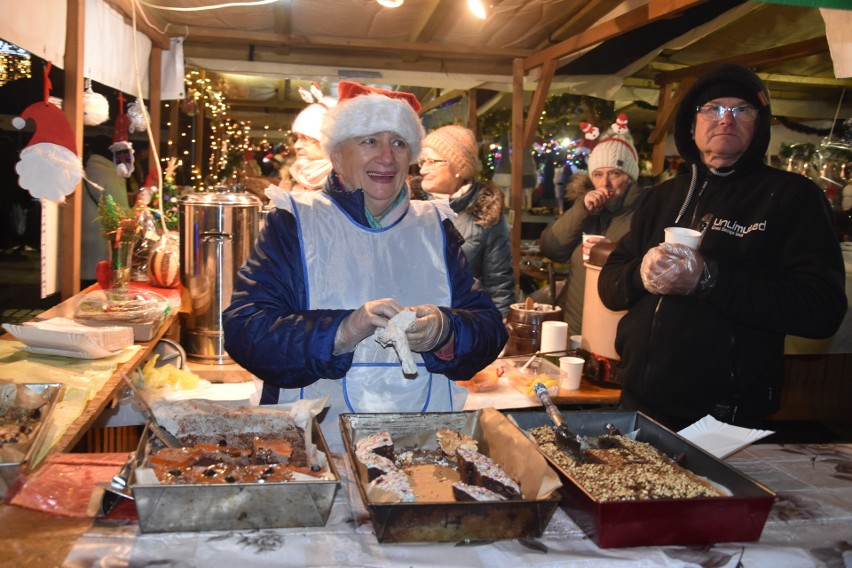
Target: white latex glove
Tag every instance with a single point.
(361, 323)
(429, 330)
(671, 269)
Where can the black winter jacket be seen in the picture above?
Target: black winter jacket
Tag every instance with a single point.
(779, 271)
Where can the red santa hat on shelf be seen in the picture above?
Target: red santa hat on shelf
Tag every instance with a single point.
(363, 110)
(49, 167)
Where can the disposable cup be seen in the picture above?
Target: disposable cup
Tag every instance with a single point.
(586, 237)
(684, 236)
(576, 341)
(570, 372)
(554, 336)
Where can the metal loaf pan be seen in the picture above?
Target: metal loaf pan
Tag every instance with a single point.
(234, 506)
(10, 469)
(446, 521)
(737, 518)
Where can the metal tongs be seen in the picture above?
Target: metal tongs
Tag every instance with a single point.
(159, 431)
(565, 438)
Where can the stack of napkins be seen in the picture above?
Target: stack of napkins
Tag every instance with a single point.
(64, 337)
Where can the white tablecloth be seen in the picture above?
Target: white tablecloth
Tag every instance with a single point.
(810, 525)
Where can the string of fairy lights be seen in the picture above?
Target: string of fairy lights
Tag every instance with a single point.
(15, 63)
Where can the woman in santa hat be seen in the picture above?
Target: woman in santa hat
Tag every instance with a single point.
(332, 268)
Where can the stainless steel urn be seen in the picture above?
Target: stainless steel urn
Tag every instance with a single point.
(217, 232)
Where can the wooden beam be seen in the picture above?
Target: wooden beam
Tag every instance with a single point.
(282, 18)
(770, 56)
(629, 21)
(589, 13)
(219, 36)
(70, 228)
(445, 97)
(517, 165)
(539, 98)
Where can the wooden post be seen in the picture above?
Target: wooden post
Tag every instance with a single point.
(70, 224)
(517, 164)
(155, 105)
(472, 117)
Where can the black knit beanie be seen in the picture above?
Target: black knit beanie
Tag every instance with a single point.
(729, 89)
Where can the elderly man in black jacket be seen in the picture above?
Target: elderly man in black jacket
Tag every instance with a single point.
(705, 329)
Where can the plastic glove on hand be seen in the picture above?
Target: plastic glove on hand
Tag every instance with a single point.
(429, 330)
(361, 323)
(671, 269)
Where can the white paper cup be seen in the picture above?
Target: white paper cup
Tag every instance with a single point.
(684, 236)
(576, 341)
(586, 237)
(570, 372)
(554, 336)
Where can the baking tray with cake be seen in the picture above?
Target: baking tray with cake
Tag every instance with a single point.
(449, 477)
(25, 411)
(632, 499)
(236, 467)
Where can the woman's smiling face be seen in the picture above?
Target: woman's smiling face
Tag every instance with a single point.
(377, 163)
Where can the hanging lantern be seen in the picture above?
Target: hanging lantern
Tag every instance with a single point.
(95, 106)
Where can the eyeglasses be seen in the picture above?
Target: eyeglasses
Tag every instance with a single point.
(429, 164)
(746, 113)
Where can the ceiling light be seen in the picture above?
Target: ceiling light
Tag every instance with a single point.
(390, 3)
(478, 8)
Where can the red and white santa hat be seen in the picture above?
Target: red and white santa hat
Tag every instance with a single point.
(365, 110)
(49, 166)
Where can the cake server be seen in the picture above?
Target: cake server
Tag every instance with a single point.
(565, 438)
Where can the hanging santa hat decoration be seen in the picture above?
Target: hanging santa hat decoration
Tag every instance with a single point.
(49, 167)
(122, 148)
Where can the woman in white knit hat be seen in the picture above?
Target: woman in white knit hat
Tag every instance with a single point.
(448, 167)
(604, 203)
(312, 166)
(331, 270)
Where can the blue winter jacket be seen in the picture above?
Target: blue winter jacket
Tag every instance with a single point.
(270, 332)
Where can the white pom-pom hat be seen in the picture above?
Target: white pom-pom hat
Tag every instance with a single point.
(365, 110)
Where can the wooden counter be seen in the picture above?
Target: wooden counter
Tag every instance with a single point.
(109, 393)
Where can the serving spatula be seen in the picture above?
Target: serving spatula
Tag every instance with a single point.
(565, 438)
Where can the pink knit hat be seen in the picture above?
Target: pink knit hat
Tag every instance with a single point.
(457, 145)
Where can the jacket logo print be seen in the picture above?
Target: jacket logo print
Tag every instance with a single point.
(737, 229)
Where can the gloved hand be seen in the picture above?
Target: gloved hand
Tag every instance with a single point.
(671, 269)
(429, 330)
(361, 323)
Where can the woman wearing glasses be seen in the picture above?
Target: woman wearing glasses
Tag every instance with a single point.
(704, 332)
(449, 165)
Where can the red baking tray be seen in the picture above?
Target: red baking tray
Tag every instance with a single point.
(736, 518)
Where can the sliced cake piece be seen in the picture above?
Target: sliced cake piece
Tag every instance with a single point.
(379, 443)
(395, 482)
(478, 469)
(450, 440)
(376, 465)
(466, 492)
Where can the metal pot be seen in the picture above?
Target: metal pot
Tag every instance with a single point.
(524, 326)
(217, 232)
